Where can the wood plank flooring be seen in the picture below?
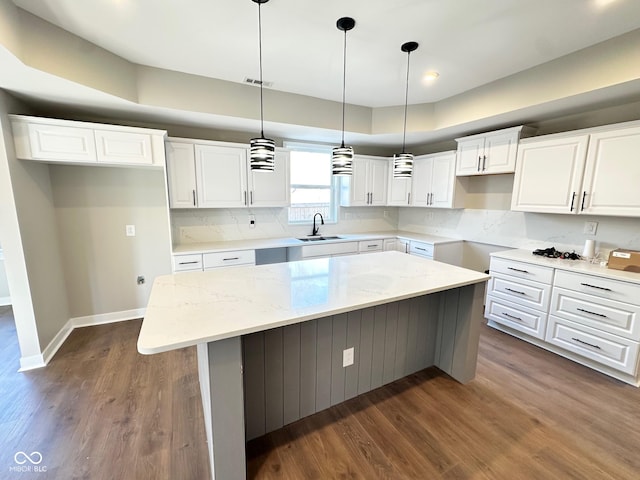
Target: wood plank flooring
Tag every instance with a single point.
(100, 410)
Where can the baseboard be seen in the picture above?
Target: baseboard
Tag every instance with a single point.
(39, 361)
(103, 318)
(31, 363)
(4, 301)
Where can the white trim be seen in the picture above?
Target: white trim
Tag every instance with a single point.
(31, 363)
(4, 301)
(39, 361)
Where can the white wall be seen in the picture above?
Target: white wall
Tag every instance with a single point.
(93, 205)
(5, 297)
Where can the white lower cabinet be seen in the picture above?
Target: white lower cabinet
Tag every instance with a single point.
(193, 262)
(517, 301)
(591, 319)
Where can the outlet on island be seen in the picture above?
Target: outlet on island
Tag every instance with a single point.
(347, 357)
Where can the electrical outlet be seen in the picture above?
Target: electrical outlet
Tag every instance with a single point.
(386, 214)
(347, 357)
(130, 230)
(140, 280)
(590, 228)
(252, 221)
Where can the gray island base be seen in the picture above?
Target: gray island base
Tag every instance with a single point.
(400, 314)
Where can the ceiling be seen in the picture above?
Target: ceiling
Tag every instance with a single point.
(469, 42)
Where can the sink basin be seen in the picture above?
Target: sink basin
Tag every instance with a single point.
(318, 239)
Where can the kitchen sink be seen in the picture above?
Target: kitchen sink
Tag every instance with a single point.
(318, 239)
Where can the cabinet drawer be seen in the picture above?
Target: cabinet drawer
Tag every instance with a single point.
(528, 271)
(599, 286)
(520, 291)
(422, 249)
(226, 259)
(608, 315)
(326, 249)
(527, 320)
(616, 352)
(183, 263)
(371, 246)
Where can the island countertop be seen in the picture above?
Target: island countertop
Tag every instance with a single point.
(187, 309)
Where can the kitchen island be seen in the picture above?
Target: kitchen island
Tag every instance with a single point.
(274, 341)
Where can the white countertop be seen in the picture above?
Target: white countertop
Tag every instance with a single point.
(260, 243)
(190, 308)
(580, 266)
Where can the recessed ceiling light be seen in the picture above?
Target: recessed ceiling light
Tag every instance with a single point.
(430, 77)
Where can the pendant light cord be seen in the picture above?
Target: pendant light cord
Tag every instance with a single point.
(260, 54)
(344, 82)
(406, 99)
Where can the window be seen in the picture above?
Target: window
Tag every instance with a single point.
(312, 185)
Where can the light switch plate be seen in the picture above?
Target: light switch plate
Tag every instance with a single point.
(347, 357)
(590, 228)
(131, 230)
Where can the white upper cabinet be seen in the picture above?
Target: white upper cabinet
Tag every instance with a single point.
(271, 189)
(549, 175)
(367, 186)
(399, 189)
(217, 175)
(221, 176)
(64, 141)
(612, 174)
(181, 175)
(488, 153)
(124, 148)
(592, 172)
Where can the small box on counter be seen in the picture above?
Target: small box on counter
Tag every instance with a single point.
(627, 260)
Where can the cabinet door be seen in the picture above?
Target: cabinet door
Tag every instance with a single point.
(70, 144)
(378, 169)
(354, 190)
(612, 174)
(469, 156)
(271, 189)
(443, 180)
(500, 150)
(124, 148)
(549, 175)
(421, 181)
(181, 175)
(221, 176)
(399, 189)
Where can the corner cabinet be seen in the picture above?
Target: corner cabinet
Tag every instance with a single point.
(592, 172)
(433, 183)
(488, 153)
(218, 175)
(69, 142)
(367, 186)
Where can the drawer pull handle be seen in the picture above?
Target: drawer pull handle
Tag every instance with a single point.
(515, 291)
(591, 313)
(189, 263)
(585, 343)
(372, 246)
(423, 249)
(595, 286)
(517, 270)
(512, 316)
(230, 258)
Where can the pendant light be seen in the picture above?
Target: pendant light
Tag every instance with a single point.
(403, 162)
(262, 150)
(341, 157)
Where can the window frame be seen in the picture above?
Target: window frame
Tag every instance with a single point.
(334, 187)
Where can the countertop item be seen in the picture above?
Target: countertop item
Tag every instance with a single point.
(260, 243)
(192, 308)
(581, 266)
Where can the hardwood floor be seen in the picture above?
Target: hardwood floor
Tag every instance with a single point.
(100, 410)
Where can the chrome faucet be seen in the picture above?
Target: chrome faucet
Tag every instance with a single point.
(315, 229)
